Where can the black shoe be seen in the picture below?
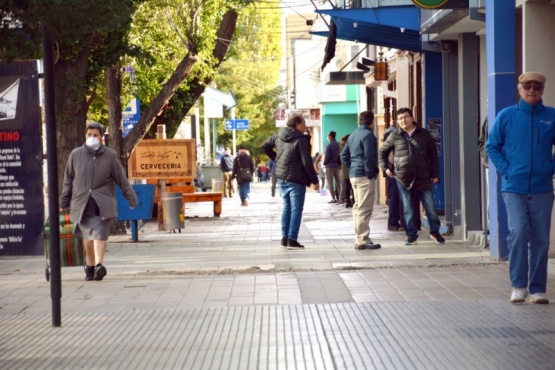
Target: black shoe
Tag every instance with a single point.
(284, 241)
(373, 246)
(99, 272)
(332, 201)
(348, 205)
(393, 228)
(89, 273)
(368, 245)
(438, 238)
(293, 244)
(411, 240)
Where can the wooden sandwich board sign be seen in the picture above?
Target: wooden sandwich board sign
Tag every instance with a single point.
(163, 159)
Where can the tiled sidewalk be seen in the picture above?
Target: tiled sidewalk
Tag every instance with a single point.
(224, 294)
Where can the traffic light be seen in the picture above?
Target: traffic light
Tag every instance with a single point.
(292, 98)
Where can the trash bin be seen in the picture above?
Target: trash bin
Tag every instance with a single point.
(217, 185)
(173, 211)
(143, 210)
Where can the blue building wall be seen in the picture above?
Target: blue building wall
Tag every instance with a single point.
(433, 109)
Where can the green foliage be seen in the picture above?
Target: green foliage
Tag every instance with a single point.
(251, 71)
(75, 26)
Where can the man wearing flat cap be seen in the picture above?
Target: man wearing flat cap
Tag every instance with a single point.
(520, 145)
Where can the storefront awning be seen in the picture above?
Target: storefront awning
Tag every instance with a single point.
(392, 26)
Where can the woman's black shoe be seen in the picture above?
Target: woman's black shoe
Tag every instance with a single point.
(293, 244)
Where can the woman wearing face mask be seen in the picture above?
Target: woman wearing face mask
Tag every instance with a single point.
(89, 194)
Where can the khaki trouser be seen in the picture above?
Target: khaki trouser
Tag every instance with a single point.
(364, 190)
(228, 184)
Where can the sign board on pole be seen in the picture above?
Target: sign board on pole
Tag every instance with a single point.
(213, 109)
(21, 186)
(163, 159)
(242, 124)
(237, 124)
(130, 116)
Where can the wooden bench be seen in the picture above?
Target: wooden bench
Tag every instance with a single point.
(185, 187)
(205, 197)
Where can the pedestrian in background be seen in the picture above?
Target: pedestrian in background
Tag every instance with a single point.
(520, 146)
(393, 199)
(226, 165)
(416, 171)
(318, 162)
(290, 148)
(272, 171)
(243, 170)
(89, 194)
(332, 165)
(360, 155)
(346, 187)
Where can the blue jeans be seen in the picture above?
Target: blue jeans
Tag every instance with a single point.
(293, 195)
(244, 190)
(529, 218)
(409, 211)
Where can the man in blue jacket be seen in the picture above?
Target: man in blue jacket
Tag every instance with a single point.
(520, 146)
(360, 155)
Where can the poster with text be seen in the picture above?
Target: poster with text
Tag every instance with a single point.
(21, 184)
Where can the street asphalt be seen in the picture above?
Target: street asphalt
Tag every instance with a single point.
(222, 293)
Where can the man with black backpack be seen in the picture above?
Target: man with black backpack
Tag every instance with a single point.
(416, 170)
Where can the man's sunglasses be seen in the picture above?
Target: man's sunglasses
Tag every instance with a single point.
(535, 87)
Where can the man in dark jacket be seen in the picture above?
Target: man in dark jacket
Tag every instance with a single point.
(333, 167)
(416, 169)
(360, 155)
(290, 149)
(243, 164)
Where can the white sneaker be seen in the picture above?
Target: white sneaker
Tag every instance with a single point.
(518, 295)
(539, 298)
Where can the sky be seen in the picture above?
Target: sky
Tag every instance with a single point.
(300, 6)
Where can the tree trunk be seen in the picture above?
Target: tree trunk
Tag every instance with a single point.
(113, 81)
(71, 108)
(154, 108)
(225, 33)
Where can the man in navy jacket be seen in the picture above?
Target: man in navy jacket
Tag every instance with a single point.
(360, 155)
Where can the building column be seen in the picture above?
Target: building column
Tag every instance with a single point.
(468, 47)
(450, 144)
(433, 109)
(501, 63)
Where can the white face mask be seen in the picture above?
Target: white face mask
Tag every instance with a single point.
(93, 142)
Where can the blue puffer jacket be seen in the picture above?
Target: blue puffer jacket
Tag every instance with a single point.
(360, 154)
(520, 147)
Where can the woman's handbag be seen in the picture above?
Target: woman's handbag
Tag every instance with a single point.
(245, 174)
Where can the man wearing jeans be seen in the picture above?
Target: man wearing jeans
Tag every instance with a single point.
(520, 146)
(416, 169)
(290, 148)
(360, 155)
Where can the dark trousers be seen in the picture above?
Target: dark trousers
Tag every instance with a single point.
(348, 191)
(394, 202)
